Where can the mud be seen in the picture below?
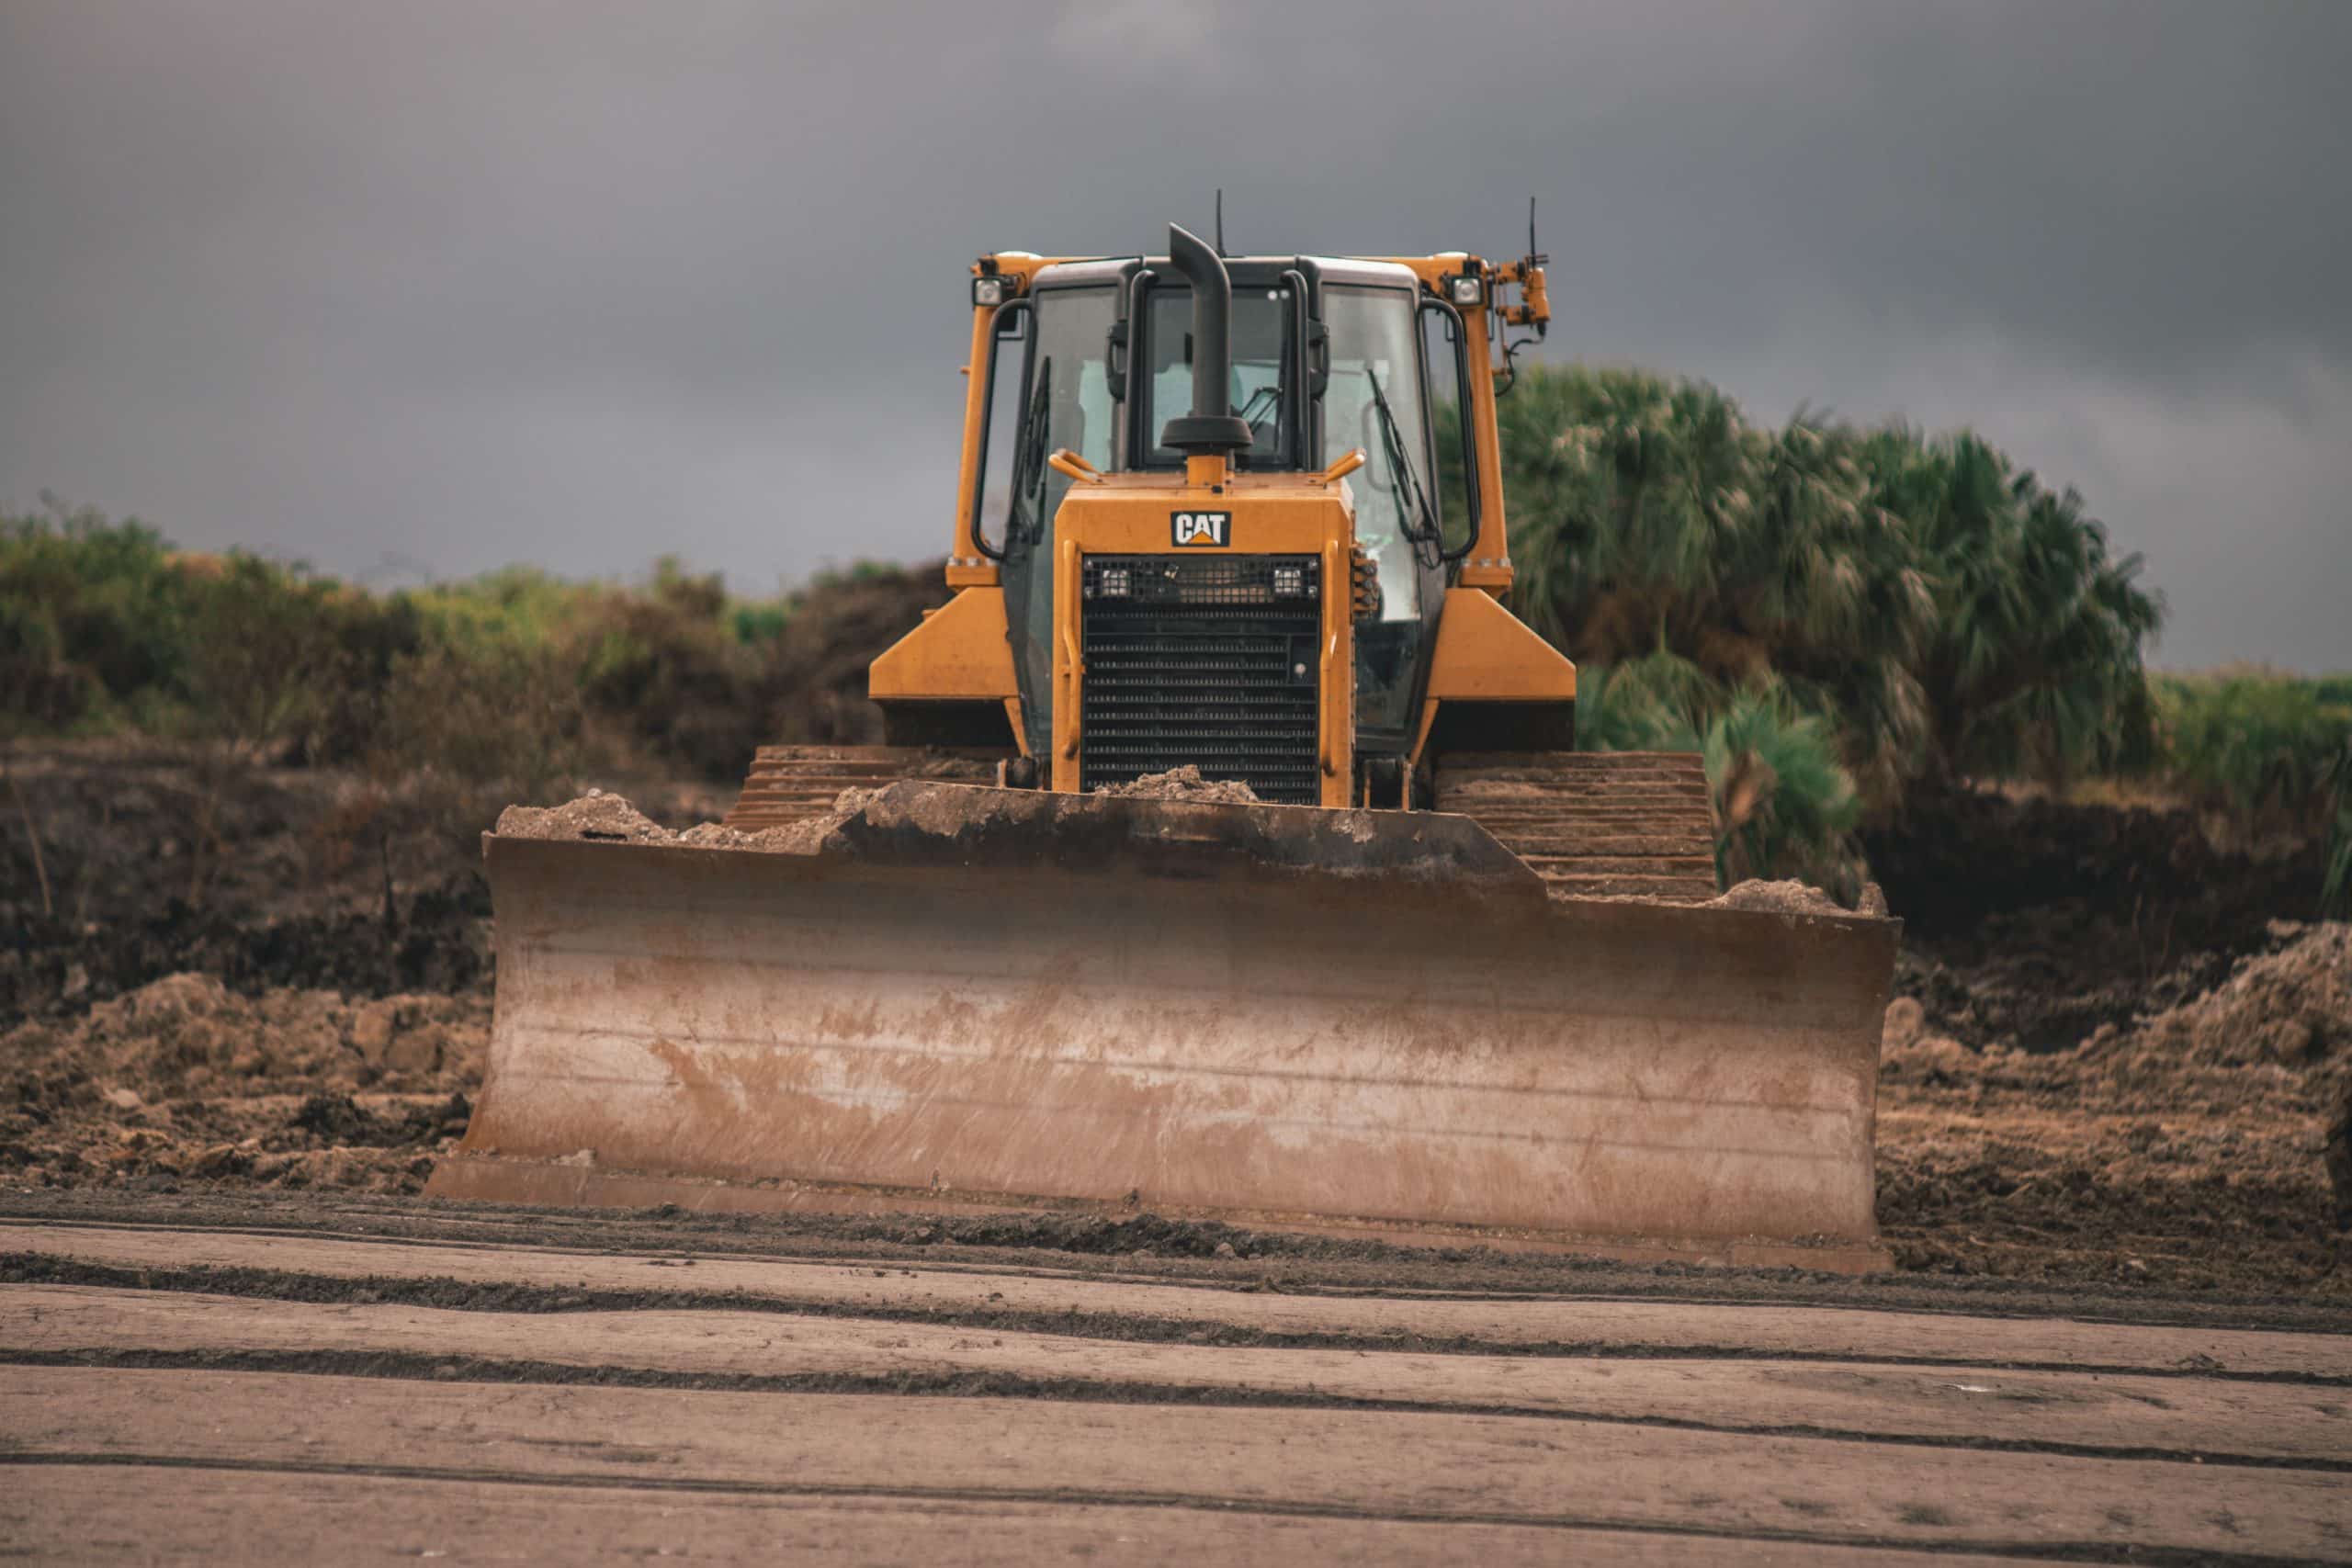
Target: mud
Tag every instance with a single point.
(1184, 783)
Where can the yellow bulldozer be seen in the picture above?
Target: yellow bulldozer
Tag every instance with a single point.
(1433, 975)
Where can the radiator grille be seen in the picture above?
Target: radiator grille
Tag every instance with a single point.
(1206, 659)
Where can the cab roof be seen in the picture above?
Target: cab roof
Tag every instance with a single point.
(1332, 269)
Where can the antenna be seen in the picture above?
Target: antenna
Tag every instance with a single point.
(1220, 220)
(1534, 255)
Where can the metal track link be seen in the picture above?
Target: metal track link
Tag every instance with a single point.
(1593, 824)
(788, 783)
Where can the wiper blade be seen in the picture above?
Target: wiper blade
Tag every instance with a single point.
(1029, 462)
(1420, 523)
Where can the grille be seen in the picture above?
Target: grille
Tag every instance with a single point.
(1202, 660)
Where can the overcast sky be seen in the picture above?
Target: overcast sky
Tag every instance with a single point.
(427, 287)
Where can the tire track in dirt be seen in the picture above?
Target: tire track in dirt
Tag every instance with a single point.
(1490, 1470)
(263, 1360)
(270, 1516)
(334, 1269)
(2104, 1415)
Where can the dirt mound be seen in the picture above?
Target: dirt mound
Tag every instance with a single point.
(2189, 1145)
(1780, 898)
(2274, 1033)
(598, 817)
(1184, 783)
(184, 1077)
(2033, 922)
(2292, 1007)
(593, 816)
(189, 1033)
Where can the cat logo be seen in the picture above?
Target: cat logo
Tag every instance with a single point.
(1205, 529)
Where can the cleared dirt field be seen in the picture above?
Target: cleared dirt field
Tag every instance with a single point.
(279, 1378)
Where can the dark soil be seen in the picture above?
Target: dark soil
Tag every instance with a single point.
(2033, 922)
(160, 861)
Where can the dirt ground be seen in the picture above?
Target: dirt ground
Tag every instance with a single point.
(249, 1374)
(252, 1011)
(261, 979)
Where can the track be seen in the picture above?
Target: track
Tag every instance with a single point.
(1593, 824)
(446, 1388)
(788, 783)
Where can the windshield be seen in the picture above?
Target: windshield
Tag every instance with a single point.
(1262, 334)
(1375, 368)
(1374, 400)
(1065, 401)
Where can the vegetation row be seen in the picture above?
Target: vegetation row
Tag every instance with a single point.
(1839, 616)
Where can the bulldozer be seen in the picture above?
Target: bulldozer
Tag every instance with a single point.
(1405, 966)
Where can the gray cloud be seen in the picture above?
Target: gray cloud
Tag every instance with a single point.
(461, 283)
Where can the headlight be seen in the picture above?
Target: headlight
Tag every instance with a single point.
(1112, 582)
(988, 291)
(1290, 581)
(1466, 288)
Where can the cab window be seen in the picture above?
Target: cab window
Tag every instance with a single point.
(1258, 389)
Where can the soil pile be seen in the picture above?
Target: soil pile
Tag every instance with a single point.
(593, 816)
(184, 1078)
(600, 818)
(2031, 922)
(2292, 1007)
(1184, 783)
(2188, 1143)
(1798, 899)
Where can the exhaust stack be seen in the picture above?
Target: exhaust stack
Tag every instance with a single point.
(1212, 429)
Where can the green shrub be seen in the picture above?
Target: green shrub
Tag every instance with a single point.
(1784, 807)
(91, 620)
(1945, 612)
(2260, 742)
(499, 714)
(1784, 804)
(104, 626)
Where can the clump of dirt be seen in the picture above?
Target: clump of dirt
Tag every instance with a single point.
(593, 816)
(1184, 783)
(598, 817)
(2273, 1034)
(1780, 898)
(184, 1077)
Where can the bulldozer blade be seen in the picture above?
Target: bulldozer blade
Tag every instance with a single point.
(1369, 1022)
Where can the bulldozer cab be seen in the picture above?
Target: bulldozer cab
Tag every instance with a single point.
(1328, 357)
